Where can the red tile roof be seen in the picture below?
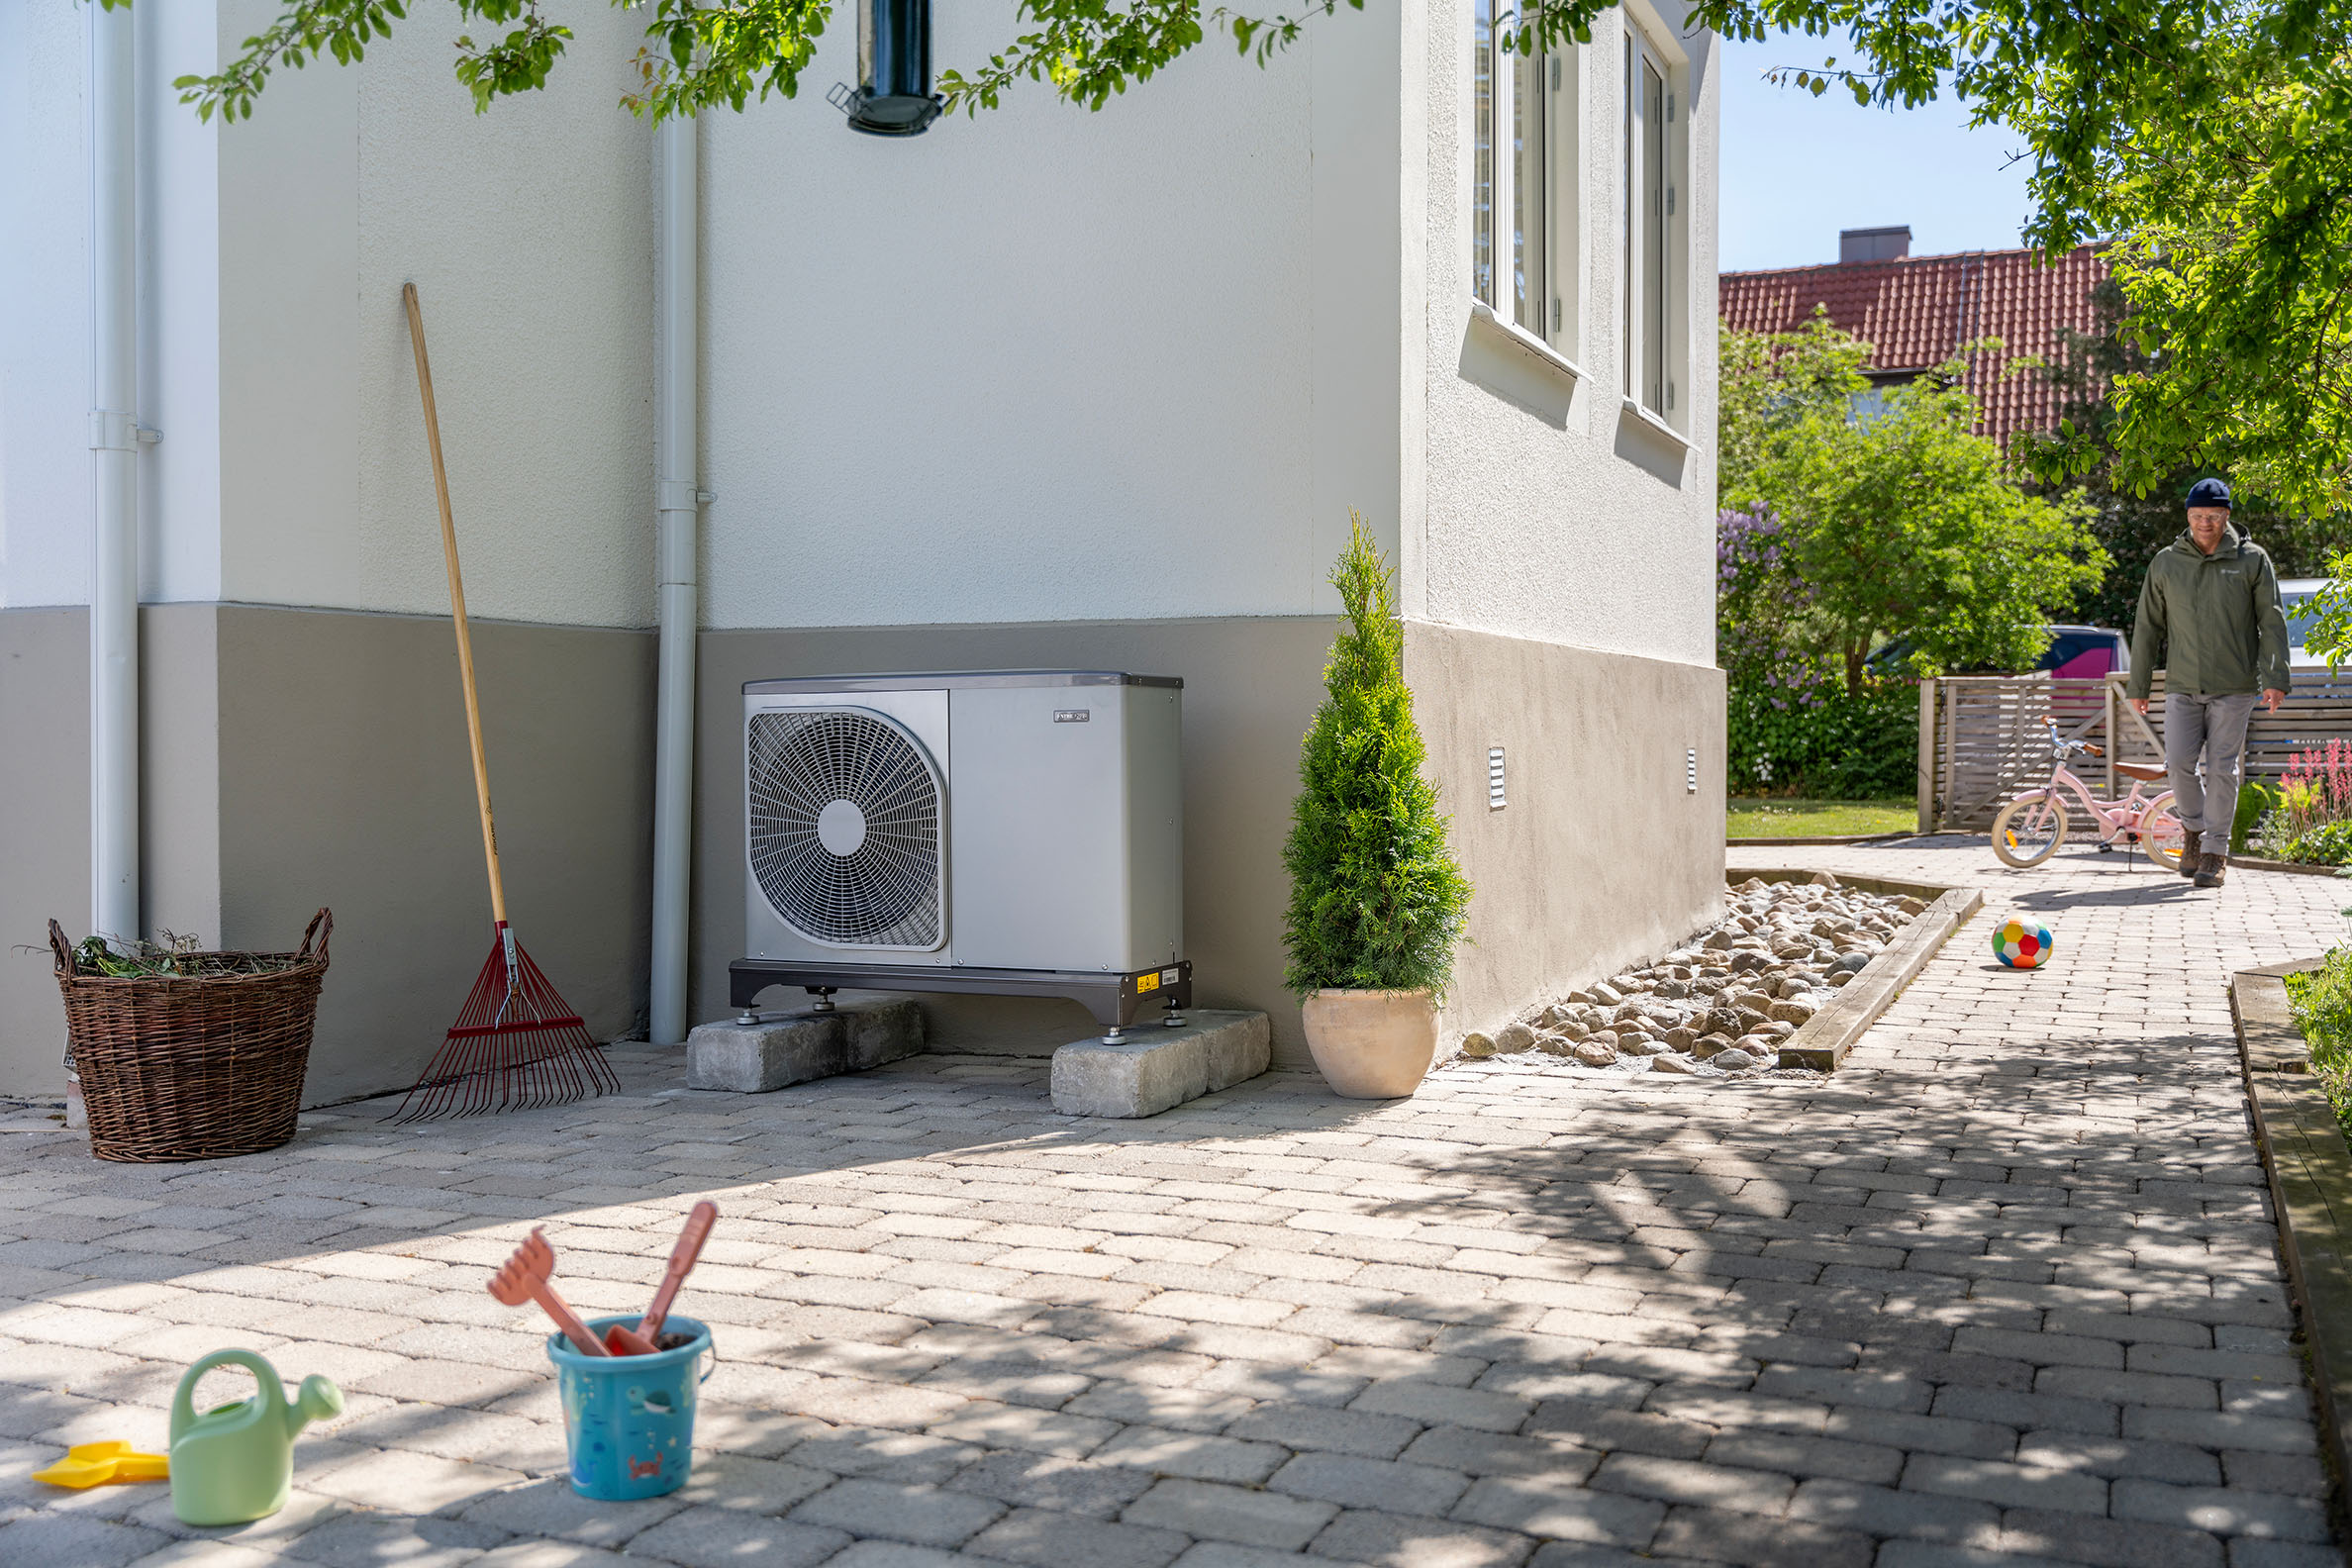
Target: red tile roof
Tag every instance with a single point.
(1915, 311)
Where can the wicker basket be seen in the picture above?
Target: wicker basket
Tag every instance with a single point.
(196, 1066)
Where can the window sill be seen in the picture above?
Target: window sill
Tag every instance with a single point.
(1655, 425)
(1483, 315)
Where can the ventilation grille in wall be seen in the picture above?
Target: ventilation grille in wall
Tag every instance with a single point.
(1495, 799)
(1691, 771)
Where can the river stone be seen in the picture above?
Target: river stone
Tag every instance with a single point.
(1514, 1037)
(1682, 1039)
(1554, 1044)
(1605, 994)
(1791, 1010)
(1477, 1047)
(1733, 1060)
(1592, 1053)
(1848, 961)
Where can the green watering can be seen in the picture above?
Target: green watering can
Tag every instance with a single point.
(235, 1462)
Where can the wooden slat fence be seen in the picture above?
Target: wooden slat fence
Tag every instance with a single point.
(1982, 739)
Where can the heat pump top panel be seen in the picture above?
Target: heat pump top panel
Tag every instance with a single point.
(962, 681)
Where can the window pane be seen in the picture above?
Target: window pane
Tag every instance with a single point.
(1482, 157)
(1527, 187)
(1653, 237)
(1631, 327)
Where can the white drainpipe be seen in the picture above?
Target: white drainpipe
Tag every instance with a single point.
(678, 498)
(114, 446)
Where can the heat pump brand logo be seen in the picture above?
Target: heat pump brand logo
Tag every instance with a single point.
(1072, 715)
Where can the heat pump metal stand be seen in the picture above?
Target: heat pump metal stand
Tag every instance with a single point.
(1113, 999)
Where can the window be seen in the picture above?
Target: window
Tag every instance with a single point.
(1652, 321)
(1522, 191)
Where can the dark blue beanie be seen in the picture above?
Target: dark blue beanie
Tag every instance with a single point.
(2209, 493)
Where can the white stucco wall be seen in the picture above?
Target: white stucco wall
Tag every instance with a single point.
(1046, 364)
(1547, 515)
(45, 336)
(274, 355)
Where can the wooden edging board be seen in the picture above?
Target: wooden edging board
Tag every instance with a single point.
(1823, 1040)
(2311, 1182)
(1823, 838)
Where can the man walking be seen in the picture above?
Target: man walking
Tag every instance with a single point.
(2209, 615)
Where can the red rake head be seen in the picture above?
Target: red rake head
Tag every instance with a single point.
(518, 1279)
(516, 1044)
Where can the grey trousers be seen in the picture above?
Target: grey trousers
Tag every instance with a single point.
(2217, 727)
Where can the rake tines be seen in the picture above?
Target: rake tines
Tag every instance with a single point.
(516, 1044)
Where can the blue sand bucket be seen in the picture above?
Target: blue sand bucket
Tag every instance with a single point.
(629, 1419)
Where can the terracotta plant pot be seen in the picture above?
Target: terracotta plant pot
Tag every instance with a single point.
(1372, 1045)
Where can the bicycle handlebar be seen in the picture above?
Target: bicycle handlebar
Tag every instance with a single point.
(2060, 747)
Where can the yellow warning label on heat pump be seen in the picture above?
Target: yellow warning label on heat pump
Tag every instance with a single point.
(1150, 981)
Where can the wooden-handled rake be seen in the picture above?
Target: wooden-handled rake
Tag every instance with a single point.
(516, 1043)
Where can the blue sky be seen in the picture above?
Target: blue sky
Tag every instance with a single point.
(1796, 168)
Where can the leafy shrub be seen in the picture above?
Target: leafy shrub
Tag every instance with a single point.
(2322, 1003)
(1820, 740)
(2330, 843)
(2255, 801)
(1376, 898)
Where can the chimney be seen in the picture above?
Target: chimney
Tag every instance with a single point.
(1873, 244)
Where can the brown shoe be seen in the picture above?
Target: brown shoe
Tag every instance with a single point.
(2190, 838)
(2210, 870)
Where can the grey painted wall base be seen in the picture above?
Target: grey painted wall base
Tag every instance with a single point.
(1155, 1068)
(780, 1051)
(291, 758)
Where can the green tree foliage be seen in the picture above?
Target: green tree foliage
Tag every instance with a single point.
(2233, 212)
(1820, 741)
(1770, 383)
(1376, 900)
(2131, 526)
(1905, 523)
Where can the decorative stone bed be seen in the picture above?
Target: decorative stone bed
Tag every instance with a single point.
(1780, 988)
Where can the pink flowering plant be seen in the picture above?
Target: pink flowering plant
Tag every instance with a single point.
(2309, 815)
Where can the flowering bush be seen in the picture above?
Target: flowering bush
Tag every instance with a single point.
(2309, 815)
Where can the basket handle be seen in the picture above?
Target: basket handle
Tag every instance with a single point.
(62, 951)
(322, 925)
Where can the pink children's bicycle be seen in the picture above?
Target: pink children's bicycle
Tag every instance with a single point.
(2029, 829)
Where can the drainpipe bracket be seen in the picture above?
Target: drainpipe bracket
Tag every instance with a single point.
(678, 495)
(112, 430)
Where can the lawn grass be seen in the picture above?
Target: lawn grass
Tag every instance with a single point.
(1752, 818)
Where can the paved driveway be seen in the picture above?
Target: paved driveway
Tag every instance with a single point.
(2004, 1290)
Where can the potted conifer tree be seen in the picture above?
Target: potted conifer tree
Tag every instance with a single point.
(1376, 899)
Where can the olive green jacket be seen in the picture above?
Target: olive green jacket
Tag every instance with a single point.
(2213, 623)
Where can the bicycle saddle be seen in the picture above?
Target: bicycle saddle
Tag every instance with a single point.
(2145, 772)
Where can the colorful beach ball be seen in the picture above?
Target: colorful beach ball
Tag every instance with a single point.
(2023, 943)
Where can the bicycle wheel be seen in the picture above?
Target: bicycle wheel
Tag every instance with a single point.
(2029, 830)
(2161, 833)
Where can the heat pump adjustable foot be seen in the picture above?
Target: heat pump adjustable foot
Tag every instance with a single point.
(747, 1018)
(824, 996)
(1113, 1035)
(1172, 1018)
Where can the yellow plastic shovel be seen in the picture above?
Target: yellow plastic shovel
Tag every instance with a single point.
(94, 1464)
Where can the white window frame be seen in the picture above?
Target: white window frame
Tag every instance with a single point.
(1655, 293)
(1554, 237)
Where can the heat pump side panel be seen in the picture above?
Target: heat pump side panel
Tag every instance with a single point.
(1156, 824)
(923, 713)
(1038, 840)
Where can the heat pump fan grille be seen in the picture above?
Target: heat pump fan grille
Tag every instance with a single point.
(846, 829)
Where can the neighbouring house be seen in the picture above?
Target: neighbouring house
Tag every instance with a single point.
(1916, 311)
(1037, 388)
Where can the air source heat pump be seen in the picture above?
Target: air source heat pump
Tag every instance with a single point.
(1012, 832)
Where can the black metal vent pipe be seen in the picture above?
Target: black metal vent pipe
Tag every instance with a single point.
(893, 96)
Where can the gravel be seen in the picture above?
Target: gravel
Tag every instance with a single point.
(1716, 1007)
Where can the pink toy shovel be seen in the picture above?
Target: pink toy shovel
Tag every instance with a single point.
(681, 1263)
(525, 1278)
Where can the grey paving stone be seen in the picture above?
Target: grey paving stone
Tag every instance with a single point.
(898, 1554)
(552, 1508)
(1213, 1512)
(62, 1540)
(1535, 1508)
(2107, 1542)
(2248, 1551)
(1606, 1428)
(1937, 1554)
(1883, 1511)
(713, 1538)
(372, 1540)
(1802, 1454)
(1196, 1455)
(1041, 1539)
(2013, 1485)
(1375, 1436)
(1709, 1485)
(1406, 1540)
(1481, 1454)
(2223, 1511)
(1716, 1536)
(1898, 1429)
(535, 1553)
(1067, 1486)
(2221, 1430)
(1359, 1483)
